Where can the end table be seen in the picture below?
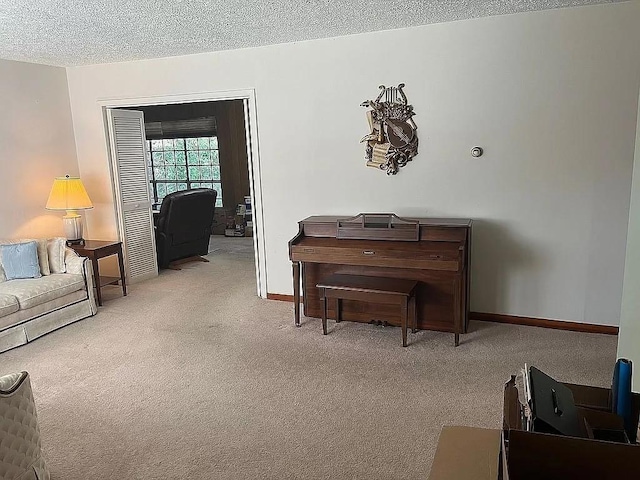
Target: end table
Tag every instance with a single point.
(95, 250)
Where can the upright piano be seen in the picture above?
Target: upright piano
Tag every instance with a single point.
(433, 251)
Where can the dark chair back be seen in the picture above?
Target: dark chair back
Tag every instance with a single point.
(183, 226)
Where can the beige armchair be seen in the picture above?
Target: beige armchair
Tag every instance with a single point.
(20, 449)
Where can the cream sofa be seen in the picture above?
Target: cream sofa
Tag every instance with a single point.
(32, 307)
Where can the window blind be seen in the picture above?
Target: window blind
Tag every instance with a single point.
(194, 127)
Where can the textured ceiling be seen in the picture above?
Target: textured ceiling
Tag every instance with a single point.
(68, 32)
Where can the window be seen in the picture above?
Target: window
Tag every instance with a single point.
(182, 164)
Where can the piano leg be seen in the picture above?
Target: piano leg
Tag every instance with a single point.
(457, 308)
(296, 292)
(404, 314)
(324, 311)
(413, 314)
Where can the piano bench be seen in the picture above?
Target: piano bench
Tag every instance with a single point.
(381, 290)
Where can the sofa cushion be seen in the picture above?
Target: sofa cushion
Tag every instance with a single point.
(59, 307)
(36, 291)
(9, 382)
(8, 304)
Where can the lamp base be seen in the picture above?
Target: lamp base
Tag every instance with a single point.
(76, 242)
(72, 225)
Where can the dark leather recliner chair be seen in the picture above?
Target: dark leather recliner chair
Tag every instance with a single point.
(183, 226)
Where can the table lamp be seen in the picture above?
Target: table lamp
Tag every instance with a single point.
(68, 193)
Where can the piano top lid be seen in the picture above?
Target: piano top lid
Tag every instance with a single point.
(434, 222)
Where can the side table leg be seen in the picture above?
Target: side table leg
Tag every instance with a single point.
(338, 309)
(296, 292)
(122, 277)
(96, 279)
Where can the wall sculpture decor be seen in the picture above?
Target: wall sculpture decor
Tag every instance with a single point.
(393, 141)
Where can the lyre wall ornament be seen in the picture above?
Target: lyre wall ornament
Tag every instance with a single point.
(393, 141)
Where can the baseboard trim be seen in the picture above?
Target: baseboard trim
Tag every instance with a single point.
(511, 319)
(280, 297)
(545, 323)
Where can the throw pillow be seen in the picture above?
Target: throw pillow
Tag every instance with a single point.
(43, 256)
(55, 249)
(20, 260)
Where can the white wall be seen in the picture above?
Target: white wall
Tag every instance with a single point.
(36, 145)
(629, 335)
(551, 96)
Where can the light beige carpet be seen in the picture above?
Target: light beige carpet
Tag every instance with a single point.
(193, 377)
(235, 246)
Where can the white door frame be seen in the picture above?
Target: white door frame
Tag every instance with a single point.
(253, 155)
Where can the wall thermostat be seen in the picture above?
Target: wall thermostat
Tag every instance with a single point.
(477, 152)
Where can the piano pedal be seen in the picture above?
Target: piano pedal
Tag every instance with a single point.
(379, 323)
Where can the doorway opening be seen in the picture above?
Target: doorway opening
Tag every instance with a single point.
(209, 143)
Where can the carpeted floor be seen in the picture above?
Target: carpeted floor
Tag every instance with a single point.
(235, 246)
(192, 376)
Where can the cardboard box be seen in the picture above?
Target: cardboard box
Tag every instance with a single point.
(467, 453)
(234, 232)
(219, 222)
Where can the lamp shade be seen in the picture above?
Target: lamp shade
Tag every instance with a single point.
(68, 193)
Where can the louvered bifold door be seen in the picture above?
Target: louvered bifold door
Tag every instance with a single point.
(133, 202)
